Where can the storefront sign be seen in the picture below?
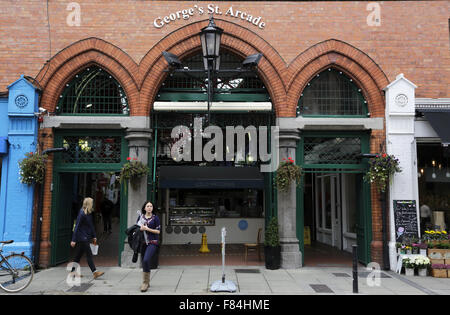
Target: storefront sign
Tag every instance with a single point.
(186, 14)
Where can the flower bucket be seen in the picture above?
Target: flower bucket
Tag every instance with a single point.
(409, 271)
(423, 272)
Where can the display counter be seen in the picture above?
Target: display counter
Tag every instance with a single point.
(239, 231)
(191, 216)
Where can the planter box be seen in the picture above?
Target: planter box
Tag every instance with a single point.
(439, 273)
(437, 261)
(438, 253)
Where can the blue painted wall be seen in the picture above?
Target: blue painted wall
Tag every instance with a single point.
(4, 122)
(16, 199)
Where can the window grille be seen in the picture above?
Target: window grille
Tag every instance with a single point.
(93, 91)
(227, 86)
(92, 149)
(332, 93)
(339, 150)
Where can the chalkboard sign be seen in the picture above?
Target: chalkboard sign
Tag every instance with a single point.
(405, 216)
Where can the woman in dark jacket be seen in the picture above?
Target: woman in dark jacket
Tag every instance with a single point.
(82, 235)
(151, 226)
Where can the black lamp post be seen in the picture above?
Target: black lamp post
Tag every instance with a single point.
(210, 37)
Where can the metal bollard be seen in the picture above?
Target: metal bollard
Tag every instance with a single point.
(355, 268)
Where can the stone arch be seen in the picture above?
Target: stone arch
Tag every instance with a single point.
(74, 58)
(235, 38)
(343, 57)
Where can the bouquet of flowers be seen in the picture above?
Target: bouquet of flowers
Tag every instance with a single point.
(380, 170)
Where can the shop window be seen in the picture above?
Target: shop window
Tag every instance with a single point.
(332, 93)
(434, 186)
(245, 87)
(93, 91)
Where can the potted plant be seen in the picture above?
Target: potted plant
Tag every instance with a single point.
(132, 171)
(381, 168)
(272, 248)
(415, 249)
(423, 248)
(422, 263)
(409, 266)
(32, 168)
(286, 173)
(403, 249)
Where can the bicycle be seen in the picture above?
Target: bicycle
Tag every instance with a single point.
(16, 270)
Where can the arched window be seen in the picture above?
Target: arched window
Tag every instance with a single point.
(332, 93)
(93, 91)
(228, 86)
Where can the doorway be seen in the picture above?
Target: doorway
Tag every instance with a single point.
(335, 207)
(70, 190)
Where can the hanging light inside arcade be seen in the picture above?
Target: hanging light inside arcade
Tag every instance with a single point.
(210, 38)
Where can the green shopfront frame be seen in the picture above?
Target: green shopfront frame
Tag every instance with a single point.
(322, 160)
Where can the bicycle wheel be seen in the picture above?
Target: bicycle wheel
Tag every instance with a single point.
(16, 273)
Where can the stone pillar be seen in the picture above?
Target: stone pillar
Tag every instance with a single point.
(400, 113)
(291, 256)
(138, 144)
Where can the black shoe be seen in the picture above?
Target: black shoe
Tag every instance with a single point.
(135, 257)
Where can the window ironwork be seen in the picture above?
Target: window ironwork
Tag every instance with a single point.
(332, 93)
(92, 149)
(93, 91)
(339, 150)
(228, 86)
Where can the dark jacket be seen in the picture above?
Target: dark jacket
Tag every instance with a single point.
(84, 228)
(135, 238)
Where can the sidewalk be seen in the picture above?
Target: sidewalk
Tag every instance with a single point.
(249, 280)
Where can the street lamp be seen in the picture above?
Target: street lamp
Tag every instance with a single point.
(210, 37)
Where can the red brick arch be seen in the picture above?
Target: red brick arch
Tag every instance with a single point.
(344, 57)
(82, 54)
(237, 39)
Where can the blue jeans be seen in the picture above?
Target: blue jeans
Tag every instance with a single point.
(148, 252)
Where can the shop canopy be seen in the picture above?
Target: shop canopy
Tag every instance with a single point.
(210, 177)
(439, 119)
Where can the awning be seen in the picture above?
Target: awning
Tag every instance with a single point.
(440, 121)
(210, 177)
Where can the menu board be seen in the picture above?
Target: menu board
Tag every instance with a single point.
(405, 216)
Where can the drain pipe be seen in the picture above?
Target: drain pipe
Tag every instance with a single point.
(37, 245)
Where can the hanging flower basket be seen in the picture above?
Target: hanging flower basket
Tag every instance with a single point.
(132, 171)
(32, 168)
(286, 173)
(381, 169)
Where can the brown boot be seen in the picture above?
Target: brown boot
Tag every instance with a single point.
(146, 281)
(98, 274)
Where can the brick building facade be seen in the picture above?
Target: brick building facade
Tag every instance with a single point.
(298, 40)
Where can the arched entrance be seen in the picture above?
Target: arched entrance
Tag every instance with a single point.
(196, 196)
